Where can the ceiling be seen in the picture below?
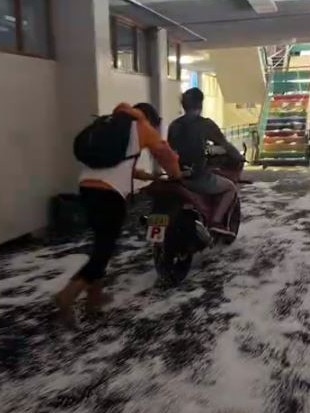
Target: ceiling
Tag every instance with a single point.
(223, 23)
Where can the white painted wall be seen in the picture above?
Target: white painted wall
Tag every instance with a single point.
(76, 76)
(171, 108)
(113, 86)
(240, 74)
(299, 63)
(44, 104)
(125, 87)
(30, 143)
(213, 105)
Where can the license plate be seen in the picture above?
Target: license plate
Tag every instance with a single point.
(157, 225)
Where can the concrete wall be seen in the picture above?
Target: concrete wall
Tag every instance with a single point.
(165, 93)
(223, 113)
(76, 76)
(45, 103)
(31, 143)
(234, 116)
(240, 74)
(87, 83)
(126, 87)
(299, 63)
(113, 86)
(171, 108)
(214, 102)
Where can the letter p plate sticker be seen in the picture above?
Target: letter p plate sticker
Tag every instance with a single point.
(156, 234)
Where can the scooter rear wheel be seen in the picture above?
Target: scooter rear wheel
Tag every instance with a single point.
(234, 223)
(172, 267)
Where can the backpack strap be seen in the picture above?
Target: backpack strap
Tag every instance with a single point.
(132, 189)
(135, 156)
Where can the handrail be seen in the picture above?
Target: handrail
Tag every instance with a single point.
(287, 57)
(305, 68)
(238, 127)
(265, 56)
(279, 52)
(239, 130)
(265, 107)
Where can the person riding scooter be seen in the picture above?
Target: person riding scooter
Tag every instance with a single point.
(188, 136)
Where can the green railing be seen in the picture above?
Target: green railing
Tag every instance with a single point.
(297, 81)
(266, 107)
(264, 57)
(238, 135)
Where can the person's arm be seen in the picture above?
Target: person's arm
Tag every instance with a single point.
(215, 134)
(150, 139)
(160, 149)
(142, 175)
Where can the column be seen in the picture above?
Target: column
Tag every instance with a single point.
(77, 75)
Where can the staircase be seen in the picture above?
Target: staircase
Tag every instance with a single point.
(283, 123)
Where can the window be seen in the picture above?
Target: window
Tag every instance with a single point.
(174, 60)
(125, 44)
(189, 79)
(142, 54)
(7, 25)
(129, 45)
(24, 27)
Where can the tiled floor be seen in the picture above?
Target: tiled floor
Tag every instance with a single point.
(233, 338)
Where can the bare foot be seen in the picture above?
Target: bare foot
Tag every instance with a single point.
(65, 312)
(96, 300)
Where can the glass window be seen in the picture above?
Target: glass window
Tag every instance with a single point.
(7, 25)
(142, 54)
(129, 46)
(34, 27)
(125, 43)
(24, 26)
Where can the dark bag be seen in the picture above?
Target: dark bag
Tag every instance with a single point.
(67, 214)
(104, 143)
(189, 141)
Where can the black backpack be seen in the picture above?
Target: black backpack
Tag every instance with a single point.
(104, 143)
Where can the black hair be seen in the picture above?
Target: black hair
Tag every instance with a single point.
(150, 113)
(192, 99)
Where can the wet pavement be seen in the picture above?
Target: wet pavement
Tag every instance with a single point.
(233, 338)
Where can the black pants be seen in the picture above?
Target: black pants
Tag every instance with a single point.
(106, 212)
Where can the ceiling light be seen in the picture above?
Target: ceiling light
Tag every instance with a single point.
(186, 60)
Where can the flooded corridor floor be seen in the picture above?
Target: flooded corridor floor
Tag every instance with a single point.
(233, 338)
